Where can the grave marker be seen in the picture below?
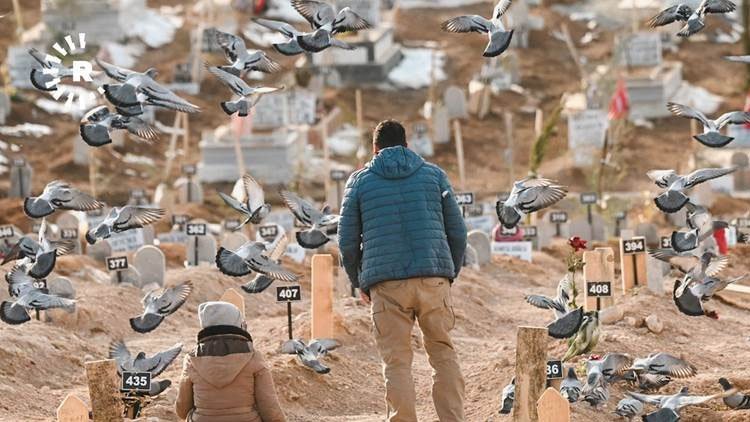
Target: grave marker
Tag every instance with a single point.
(132, 381)
(151, 264)
(589, 199)
(454, 99)
(665, 242)
(558, 218)
(520, 250)
(235, 298)
(553, 407)
(586, 133)
(117, 264)
(481, 244)
(104, 390)
(321, 325)
(633, 262)
(531, 368)
(339, 177)
(72, 409)
(598, 276)
(289, 294)
(21, 175)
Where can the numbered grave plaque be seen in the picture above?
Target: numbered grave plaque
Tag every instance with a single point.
(268, 232)
(339, 175)
(634, 245)
(589, 198)
(19, 162)
(288, 294)
(136, 381)
(196, 229)
(40, 284)
(6, 232)
(232, 224)
(180, 219)
(474, 210)
(558, 217)
(138, 193)
(743, 222)
(599, 288)
(666, 242)
(530, 232)
(554, 369)
(117, 263)
(189, 169)
(465, 198)
(69, 234)
(508, 232)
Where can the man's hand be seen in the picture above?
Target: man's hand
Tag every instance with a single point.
(365, 297)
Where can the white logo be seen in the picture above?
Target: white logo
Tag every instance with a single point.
(81, 70)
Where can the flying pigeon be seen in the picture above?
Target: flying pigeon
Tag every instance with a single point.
(322, 223)
(706, 288)
(48, 77)
(737, 401)
(43, 253)
(688, 303)
(527, 196)
(499, 38)
(158, 304)
(508, 397)
(662, 415)
(694, 18)
(291, 47)
(310, 354)
(326, 23)
(252, 257)
(700, 226)
(567, 320)
(706, 265)
(676, 401)
(99, 122)
(711, 136)
(140, 363)
(262, 281)
(586, 338)
(664, 364)
(248, 96)
(673, 198)
(138, 89)
(252, 205)
(241, 59)
(122, 219)
(629, 408)
(29, 296)
(570, 386)
(738, 59)
(58, 195)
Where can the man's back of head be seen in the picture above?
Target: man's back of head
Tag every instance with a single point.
(388, 133)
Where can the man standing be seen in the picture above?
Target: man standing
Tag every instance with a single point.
(402, 238)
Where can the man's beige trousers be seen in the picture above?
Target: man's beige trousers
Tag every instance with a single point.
(395, 306)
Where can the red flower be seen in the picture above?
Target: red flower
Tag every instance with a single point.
(577, 243)
(595, 357)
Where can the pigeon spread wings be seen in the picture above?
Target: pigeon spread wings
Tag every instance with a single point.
(471, 23)
(254, 192)
(500, 8)
(135, 217)
(663, 178)
(304, 211)
(347, 20)
(316, 12)
(157, 363)
(702, 175)
(115, 72)
(733, 118)
(687, 112)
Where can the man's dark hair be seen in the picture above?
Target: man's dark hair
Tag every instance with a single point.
(389, 133)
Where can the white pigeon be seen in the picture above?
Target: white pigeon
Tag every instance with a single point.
(694, 18)
(322, 224)
(251, 257)
(97, 124)
(59, 195)
(252, 205)
(52, 72)
(499, 38)
(246, 96)
(673, 198)
(326, 23)
(240, 58)
(123, 219)
(527, 196)
(711, 136)
(29, 295)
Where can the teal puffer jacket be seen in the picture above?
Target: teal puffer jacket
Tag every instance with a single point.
(399, 219)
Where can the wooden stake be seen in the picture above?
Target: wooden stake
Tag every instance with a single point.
(19, 18)
(72, 409)
(510, 156)
(236, 299)
(104, 390)
(92, 170)
(531, 372)
(552, 407)
(538, 123)
(599, 267)
(633, 268)
(460, 154)
(322, 297)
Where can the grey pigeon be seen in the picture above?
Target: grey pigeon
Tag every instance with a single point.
(499, 38)
(700, 227)
(292, 47)
(252, 257)
(97, 124)
(694, 18)
(42, 252)
(123, 219)
(596, 392)
(247, 96)
(599, 373)
(711, 136)
(240, 58)
(322, 224)
(155, 365)
(158, 304)
(673, 198)
(676, 401)
(629, 408)
(527, 196)
(59, 195)
(252, 203)
(738, 59)
(650, 382)
(737, 400)
(311, 353)
(688, 303)
(326, 23)
(507, 397)
(138, 89)
(28, 296)
(571, 386)
(262, 281)
(664, 364)
(662, 415)
(567, 320)
(706, 288)
(706, 265)
(51, 73)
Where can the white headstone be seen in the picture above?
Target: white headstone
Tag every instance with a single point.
(455, 102)
(641, 49)
(188, 191)
(201, 249)
(655, 272)
(21, 178)
(129, 275)
(151, 264)
(587, 130)
(520, 250)
(481, 244)
(441, 125)
(61, 286)
(420, 141)
(71, 229)
(127, 241)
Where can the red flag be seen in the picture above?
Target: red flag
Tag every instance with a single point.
(620, 103)
(242, 126)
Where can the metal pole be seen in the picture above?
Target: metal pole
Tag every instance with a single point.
(195, 252)
(289, 318)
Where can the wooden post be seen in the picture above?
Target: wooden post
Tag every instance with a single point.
(531, 372)
(326, 161)
(599, 267)
(538, 123)
(552, 407)
(72, 409)
(19, 18)
(509, 157)
(236, 299)
(104, 390)
(321, 325)
(460, 154)
(92, 170)
(633, 265)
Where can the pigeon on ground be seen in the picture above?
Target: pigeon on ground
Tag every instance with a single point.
(596, 392)
(570, 386)
(158, 304)
(241, 59)
(310, 354)
(499, 38)
(694, 18)
(676, 401)
(138, 89)
(567, 320)
(711, 136)
(322, 224)
(586, 338)
(59, 195)
(611, 367)
(291, 47)
(664, 364)
(326, 23)
(52, 72)
(42, 252)
(650, 382)
(252, 257)
(527, 196)
(97, 124)
(737, 401)
(629, 408)
(673, 198)
(262, 281)
(247, 96)
(29, 296)
(123, 219)
(252, 205)
(701, 227)
(508, 397)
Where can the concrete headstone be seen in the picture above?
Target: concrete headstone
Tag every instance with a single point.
(456, 103)
(129, 275)
(61, 286)
(21, 178)
(441, 125)
(482, 245)
(100, 250)
(201, 249)
(188, 191)
(151, 264)
(71, 229)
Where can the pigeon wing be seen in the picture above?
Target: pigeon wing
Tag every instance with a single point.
(703, 175)
(120, 353)
(253, 192)
(133, 217)
(720, 6)
(159, 362)
(233, 82)
(500, 8)
(323, 345)
(662, 178)
(316, 12)
(264, 63)
(666, 17)
(155, 91)
(282, 27)
(115, 72)
(536, 198)
(292, 347)
(646, 398)
(615, 364)
(264, 265)
(717, 265)
(733, 118)
(687, 112)
(176, 296)
(81, 201)
(279, 247)
(140, 128)
(305, 212)
(468, 23)
(232, 45)
(43, 301)
(673, 366)
(41, 58)
(738, 59)
(347, 20)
